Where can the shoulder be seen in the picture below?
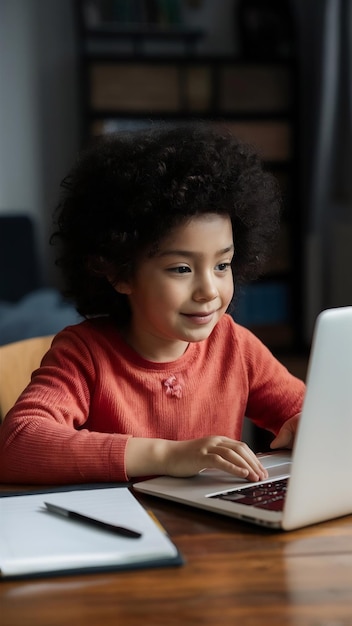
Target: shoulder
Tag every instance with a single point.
(93, 329)
(235, 342)
(236, 346)
(87, 339)
(230, 334)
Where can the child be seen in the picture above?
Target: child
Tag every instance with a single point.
(155, 229)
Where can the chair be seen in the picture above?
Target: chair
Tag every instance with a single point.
(17, 362)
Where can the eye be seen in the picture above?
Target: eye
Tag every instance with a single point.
(222, 267)
(180, 269)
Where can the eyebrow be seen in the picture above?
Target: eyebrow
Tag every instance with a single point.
(189, 253)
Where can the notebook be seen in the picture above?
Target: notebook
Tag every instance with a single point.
(37, 542)
(316, 477)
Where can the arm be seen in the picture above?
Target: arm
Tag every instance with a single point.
(46, 437)
(185, 458)
(42, 451)
(275, 395)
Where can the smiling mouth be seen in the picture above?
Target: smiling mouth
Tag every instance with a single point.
(200, 318)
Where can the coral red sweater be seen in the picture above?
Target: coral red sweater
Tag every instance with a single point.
(92, 392)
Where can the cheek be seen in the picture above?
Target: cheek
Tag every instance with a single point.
(229, 288)
(158, 296)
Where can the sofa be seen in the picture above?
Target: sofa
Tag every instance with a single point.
(28, 308)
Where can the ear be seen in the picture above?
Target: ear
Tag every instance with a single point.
(123, 287)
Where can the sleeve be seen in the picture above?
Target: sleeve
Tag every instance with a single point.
(43, 439)
(275, 395)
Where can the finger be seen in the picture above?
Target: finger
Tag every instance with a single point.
(246, 458)
(283, 440)
(216, 461)
(231, 468)
(286, 435)
(238, 465)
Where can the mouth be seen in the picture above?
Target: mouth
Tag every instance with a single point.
(200, 318)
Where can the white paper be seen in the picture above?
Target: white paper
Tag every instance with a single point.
(33, 540)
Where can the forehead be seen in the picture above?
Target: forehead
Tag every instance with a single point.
(211, 228)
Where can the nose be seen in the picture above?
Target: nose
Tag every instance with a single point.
(205, 289)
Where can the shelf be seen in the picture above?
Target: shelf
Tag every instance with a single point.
(228, 88)
(139, 36)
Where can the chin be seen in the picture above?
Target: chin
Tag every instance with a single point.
(200, 336)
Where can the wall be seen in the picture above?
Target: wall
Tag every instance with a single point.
(38, 110)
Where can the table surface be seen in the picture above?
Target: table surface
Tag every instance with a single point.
(234, 573)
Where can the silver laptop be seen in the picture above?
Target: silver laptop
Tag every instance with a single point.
(312, 484)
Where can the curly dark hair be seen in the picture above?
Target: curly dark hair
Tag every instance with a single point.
(128, 190)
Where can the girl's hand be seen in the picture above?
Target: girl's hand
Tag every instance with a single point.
(286, 435)
(187, 458)
(145, 457)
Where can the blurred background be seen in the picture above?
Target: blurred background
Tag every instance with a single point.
(276, 73)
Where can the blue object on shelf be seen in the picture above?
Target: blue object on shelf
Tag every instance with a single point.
(262, 303)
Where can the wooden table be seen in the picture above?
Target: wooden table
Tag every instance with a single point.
(234, 574)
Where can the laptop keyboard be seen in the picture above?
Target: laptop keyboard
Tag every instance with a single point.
(268, 496)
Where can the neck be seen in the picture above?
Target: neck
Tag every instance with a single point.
(155, 350)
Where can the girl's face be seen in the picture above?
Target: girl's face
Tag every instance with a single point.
(179, 295)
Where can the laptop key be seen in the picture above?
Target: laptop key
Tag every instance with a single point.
(272, 505)
(268, 496)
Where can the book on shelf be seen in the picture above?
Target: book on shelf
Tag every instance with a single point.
(254, 88)
(280, 261)
(198, 88)
(272, 138)
(262, 303)
(134, 87)
(155, 13)
(36, 542)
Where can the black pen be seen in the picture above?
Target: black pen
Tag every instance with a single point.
(118, 530)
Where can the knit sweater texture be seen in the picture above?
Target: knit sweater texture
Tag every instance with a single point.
(92, 392)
